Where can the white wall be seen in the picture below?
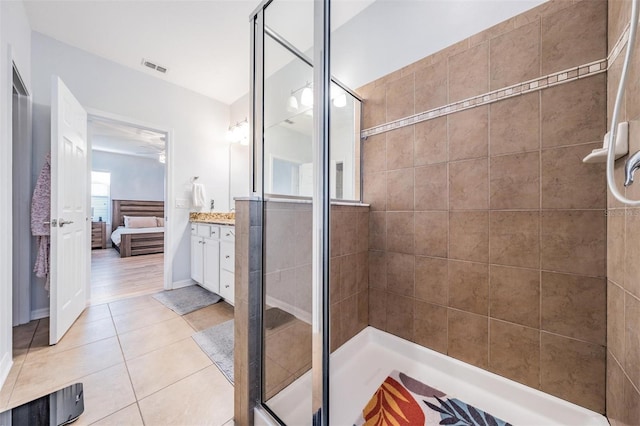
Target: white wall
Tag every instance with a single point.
(198, 125)
(391, 34)
(239, 155)
(15, 34)
(132, 177)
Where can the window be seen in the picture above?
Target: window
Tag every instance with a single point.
(101, 196)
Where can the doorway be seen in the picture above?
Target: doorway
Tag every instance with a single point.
(127, 207)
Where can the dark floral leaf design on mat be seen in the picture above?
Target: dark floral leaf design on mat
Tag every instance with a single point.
(420, 388)
(392, 404)
(477, 417)
(458, 413)
(435, 407)
(490, 420)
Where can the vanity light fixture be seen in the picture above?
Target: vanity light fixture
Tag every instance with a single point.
(340, 101)
(306, 98)
(338, 96)
(239, 132)
(292, 105)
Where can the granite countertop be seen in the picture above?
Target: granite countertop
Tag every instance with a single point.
(219, 218)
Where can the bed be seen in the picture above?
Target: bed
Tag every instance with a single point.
(137, 241)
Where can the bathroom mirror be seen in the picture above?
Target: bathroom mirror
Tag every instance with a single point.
(239, 172)
(288, 169)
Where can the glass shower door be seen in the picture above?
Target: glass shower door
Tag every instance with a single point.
(287, 234)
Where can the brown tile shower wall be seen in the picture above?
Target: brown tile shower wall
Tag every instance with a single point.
(623, 250)
(487, 232)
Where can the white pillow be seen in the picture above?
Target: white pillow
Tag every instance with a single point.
(140, 222)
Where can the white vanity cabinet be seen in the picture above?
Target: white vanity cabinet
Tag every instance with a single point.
(212, 258)
(205, 256)
(227, 262)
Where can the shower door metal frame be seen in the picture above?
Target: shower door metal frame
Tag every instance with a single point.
(321, 207)
(321, 194)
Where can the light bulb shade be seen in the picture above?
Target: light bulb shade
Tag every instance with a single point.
(244, 133)
(340, 101)
(237, 134)
(306, 98)
(162, 158)
(292, 104)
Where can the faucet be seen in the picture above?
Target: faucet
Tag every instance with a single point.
(213, 203)
(630, 166)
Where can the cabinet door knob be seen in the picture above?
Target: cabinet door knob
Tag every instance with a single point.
(226, 257)
(226, 286)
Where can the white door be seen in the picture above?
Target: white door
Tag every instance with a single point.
(69, 235)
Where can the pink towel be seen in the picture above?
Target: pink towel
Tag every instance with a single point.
(40, 218)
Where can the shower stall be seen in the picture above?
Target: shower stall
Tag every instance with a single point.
(406, 228)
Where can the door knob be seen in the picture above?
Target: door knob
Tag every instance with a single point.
(62, 222)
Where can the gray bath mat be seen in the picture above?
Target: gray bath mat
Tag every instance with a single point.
(217, 343)
(187, 299)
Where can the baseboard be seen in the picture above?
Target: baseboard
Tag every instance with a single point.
(39, 313)
(296, 312)
(5, 367)
(183, 283)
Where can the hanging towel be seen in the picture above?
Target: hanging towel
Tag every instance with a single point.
(40, 217)
(199, 195)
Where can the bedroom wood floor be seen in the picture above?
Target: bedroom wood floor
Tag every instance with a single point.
(114, 278)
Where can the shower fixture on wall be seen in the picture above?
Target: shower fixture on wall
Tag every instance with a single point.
(633, 162)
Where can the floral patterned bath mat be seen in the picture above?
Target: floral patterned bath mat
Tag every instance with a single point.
(403, 401)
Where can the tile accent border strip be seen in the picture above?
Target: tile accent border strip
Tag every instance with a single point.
(550, 80)
(539, 83)
(620, 43)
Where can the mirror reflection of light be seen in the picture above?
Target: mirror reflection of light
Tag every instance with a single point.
(340, 101)
(292, 105)
(306, 99)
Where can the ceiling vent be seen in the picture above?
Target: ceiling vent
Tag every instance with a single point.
(154, 66)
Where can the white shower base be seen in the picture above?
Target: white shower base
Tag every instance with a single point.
(361, 364)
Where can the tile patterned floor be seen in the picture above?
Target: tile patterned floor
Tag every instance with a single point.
(138, 363)
(288, 355)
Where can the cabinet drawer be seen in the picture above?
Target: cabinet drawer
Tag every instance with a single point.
(228, 233)
(208, 231)
(227, 256)
(194, 229)
(227, 286)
